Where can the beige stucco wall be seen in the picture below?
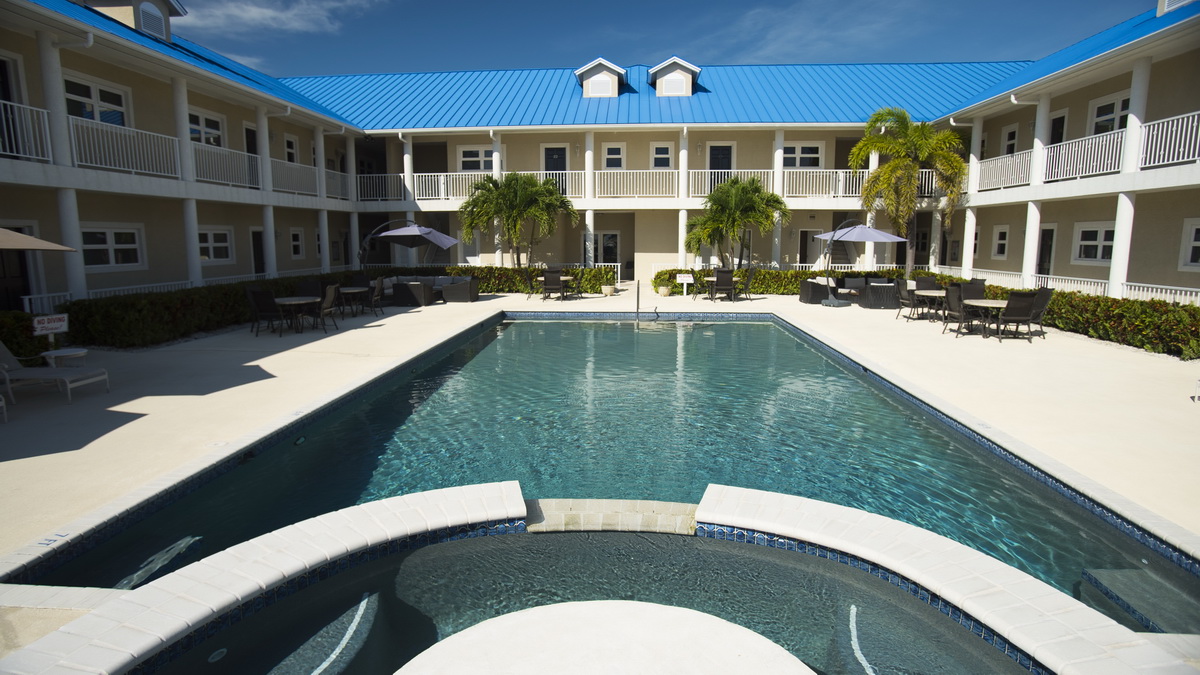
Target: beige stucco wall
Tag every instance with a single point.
(657, 236)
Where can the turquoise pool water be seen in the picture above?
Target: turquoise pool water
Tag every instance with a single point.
(649, 411)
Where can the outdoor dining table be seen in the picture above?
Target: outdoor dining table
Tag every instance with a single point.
(294, 304)
(937, 297)
(712, 286)
(989, 306)
(566, 281)
(353, 296)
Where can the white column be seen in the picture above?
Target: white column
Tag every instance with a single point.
(589, 238)
(935, 240)
(179, 108)
(72, 235)
(410, 178)
(356, 243)
(1033, 225)
(323, 237)
(968, 242)
(263, 134)
(351, 169)
(589, 165)
(270, 263)
(777, 188)
(869, 247)
(1139, 90)
(682, 191)
(1118, 269)
(682, 237)
(496, 174)
(976, 151)
(1041, 134)
(319, 161)
(55, 100)
(191, 242)
(497, 161)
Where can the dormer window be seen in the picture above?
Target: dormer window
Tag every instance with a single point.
(601, 79)
(151, 20)
(674, 77)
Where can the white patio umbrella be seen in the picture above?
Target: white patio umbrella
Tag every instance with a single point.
(848, 232)
(15, 241)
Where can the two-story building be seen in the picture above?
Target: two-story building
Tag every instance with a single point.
(167, 165)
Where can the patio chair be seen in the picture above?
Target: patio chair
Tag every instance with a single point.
(262, 309)
(1040, 303)
(375, 299)
(956, 311)
(972, 291)
(1018, 312)
(743, 289)
(66, 378)
(328, 306)
(726, 284)
(552, 283)
(907, 299)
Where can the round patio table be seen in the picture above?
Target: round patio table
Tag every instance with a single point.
(935, 298)
(294, 304)
(353, 296)
(991, 307)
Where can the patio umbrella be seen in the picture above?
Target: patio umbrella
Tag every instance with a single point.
(415, 235)
(848, 232)
(22, 242)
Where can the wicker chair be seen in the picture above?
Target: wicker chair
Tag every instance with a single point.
(328, 306)
(1040, 303)
(1018, 312)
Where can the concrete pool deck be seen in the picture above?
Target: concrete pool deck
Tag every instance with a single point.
(1122, 419)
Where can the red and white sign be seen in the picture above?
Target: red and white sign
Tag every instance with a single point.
(51, 323)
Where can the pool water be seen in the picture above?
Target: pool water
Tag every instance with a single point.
(407, 603)
(637, 411)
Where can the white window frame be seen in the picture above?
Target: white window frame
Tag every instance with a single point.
(598, 239)
(139, 232)
(1188, 242)
(797, 152)
(1116, 99)
(208, 242)
(1101, 226)
(1010, 135)
(1000, 242)
(670, 156)
(620, 156)
(485, 158)
(291, 148)
(203, 132)
(96, 85)
(296, 242)
(542, 154)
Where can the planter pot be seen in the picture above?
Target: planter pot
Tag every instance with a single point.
(664, 291)
(608, 290)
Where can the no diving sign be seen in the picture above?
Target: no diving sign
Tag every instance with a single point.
(49, 324)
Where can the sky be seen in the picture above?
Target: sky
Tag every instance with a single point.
(285, 38)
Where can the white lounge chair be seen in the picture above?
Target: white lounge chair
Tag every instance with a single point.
(67, 378)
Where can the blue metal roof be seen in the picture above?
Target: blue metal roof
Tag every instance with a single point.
(1138, 27)
(772, 94)
(187, 52)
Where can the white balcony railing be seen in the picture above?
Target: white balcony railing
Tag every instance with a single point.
(1171, 141)
(1005, 171)
(999, 278)
(24, 132)
(378, 187)
(1075, 284)
(164, 287)
(337, 185)
(293, 177)
(822, 182)
(637, 183)
(98, 145)
(1184, 296)
(1089, 156)
(570, 183)
(446, 185)
(225, 166)
(700, 183)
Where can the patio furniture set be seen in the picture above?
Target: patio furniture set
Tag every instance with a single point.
(724, 285)
(965, 305)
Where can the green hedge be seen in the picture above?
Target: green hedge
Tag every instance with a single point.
(16, 332)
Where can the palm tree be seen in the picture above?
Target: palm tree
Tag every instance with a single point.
(729, 211)
(515, 200)
(905, 147)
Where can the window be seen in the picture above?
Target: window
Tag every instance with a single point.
(614, 155)
(297, 239)
(1093, 243)
(672, 84)
(1111, 113)
(1058, 127)
(93, 101)
(205, 128)
(601, 85)
(291, 147)
(474, 158)
(803, 156)
(216, 245)
(113, 248)
(662, 155)
(1009, 134)
(1189, 258)
(1000, 242)
(955, 250)
(923, 242)
(151, 20)
(975, 244)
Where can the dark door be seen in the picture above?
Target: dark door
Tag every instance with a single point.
(720, 163)
(555, 159)
(14, 279)
(1045, 251)
(256, 248)
(10, 125)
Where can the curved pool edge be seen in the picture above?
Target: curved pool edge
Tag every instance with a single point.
(144, 627)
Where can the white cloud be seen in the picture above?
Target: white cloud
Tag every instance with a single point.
(241, 17)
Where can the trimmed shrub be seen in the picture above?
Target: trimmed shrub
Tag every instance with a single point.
(16, 332)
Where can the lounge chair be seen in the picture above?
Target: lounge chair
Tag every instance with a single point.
(1018, 312)
(67, 378)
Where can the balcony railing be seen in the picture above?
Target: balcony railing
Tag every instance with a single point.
(98, 145)
(225, 166)
(446, 185)
(1171, 141)
(379, 187)
(570, 183)
(822, 182)
(700, 183)
(637, 183)
(1089, 156)
(24, 132)
(1005, 171)
(337, 185)
(292, 177)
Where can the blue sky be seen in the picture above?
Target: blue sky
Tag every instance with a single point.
(321, 37)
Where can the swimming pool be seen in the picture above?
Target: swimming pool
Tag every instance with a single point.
(638, 411)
